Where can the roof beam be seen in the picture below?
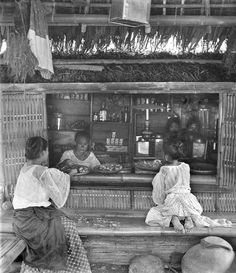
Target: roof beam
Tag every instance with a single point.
(160, 20)
(108, 5)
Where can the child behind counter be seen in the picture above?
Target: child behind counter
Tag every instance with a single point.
(81, 155)
(173, 198)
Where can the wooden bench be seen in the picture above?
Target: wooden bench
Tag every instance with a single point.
(10, 250)
(132, 237)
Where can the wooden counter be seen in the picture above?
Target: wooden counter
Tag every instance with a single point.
(199, 183)
(132, 191)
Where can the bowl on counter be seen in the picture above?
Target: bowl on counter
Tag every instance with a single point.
(202, 168)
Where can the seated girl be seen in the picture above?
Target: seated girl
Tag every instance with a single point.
(173, 197)
(80, 154)
(52, 240)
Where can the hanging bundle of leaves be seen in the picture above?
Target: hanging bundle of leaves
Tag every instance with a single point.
(230, 55)
(19, 57)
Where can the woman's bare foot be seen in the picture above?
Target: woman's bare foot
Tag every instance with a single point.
(177, 225)
(188, 225)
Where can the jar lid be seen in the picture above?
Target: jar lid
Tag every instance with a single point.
(159, 136)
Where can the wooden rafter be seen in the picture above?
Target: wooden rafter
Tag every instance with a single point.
(103, 20)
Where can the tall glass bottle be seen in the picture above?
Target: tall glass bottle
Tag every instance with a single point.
(103, 112)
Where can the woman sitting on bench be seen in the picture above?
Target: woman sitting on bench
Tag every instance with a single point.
(52, 240)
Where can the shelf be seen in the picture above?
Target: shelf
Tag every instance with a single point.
(148, 106)
(67, 130)
(110, 122)
(106, 152)
(65, 114)
(144, 157)
(74, 100)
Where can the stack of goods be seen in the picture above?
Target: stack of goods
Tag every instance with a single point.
(147, 166)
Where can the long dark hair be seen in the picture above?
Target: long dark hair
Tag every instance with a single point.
(34, 147)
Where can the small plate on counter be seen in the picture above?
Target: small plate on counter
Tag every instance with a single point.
(148, 165)
(108, 168)
(80, 170)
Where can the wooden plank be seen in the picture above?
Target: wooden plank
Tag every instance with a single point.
(71, 63)
(108, 5)
(120, 250)
(103, 20)
(122, 87)
(131, 226)
(11, 250)
(138, 178)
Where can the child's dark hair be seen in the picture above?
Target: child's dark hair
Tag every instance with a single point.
(194, 120)
(170, 121)
(174, 150)
(35, 146)
(81, 134)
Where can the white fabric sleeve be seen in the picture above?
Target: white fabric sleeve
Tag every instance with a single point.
(57, 184)
(94, 161)
(65, 156)
(158, 192)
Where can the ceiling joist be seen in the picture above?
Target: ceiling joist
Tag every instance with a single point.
(160, 20)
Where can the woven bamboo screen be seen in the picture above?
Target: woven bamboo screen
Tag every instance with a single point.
(227, 201)
(228, 141)
(22, 115)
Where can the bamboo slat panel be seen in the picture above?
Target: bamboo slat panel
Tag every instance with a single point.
(228, 141)
(2, 180)
(121, 199)
(207, 201)
(143, 200)
(104, 199)
(227, 202)
(24, 115)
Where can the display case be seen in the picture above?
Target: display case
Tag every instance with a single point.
(126, 128)
(106, 118)
(195, 118)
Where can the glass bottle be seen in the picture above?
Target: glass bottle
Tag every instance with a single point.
(126, 114)
(103, 113)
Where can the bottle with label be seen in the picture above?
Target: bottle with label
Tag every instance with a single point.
(103, 113)
(199, 146)
(126, 114)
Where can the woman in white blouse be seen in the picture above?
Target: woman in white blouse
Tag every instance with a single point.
(52, 239)
(81, 155)
(173, 198)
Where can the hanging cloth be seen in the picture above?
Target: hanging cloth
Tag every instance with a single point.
(38, 38)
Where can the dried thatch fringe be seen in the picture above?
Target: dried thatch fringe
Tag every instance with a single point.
(67, 40)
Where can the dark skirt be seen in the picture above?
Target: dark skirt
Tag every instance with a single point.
(44, 235)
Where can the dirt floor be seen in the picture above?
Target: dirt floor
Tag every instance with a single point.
(104, 268)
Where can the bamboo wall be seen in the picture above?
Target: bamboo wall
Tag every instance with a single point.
(22, 115)
(126, 199)
(227, 157)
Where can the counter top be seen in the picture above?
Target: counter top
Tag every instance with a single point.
(199, 183)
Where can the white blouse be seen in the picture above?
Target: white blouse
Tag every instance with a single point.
(37, 184)
(91, 161)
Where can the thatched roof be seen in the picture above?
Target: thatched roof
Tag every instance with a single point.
(81, 28)
(189, 21)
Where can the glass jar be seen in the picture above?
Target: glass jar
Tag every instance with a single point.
(58, 121)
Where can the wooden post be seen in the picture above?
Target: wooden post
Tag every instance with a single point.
(2, 180)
